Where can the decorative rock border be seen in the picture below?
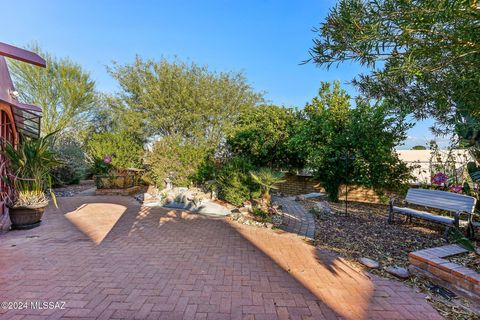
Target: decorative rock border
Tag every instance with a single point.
(431, 263)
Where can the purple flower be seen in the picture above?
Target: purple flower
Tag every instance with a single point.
(439, 178)
(456, 188)
(107, 159)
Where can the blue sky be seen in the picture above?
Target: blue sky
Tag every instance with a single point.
(266, 40)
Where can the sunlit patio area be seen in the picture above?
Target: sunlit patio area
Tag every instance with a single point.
(108, 257)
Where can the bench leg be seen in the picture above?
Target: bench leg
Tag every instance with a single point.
(470, 231)
(390, 213)
(446, 233)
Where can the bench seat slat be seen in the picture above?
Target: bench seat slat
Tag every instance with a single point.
(424, 215)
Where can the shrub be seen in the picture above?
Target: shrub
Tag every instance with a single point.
(74, 166)
(179, 160)
(234, 182)
(261, 134)
(123, 150)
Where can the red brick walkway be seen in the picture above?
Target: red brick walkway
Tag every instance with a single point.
(296, 218)
(105, 262)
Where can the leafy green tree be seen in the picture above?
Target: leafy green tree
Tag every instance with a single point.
(166, 98)
(424, 56)
(64, 90)
(261, 134)
(124, 151)
(351, 146)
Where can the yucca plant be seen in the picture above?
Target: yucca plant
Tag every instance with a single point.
(29, 171)
(267, 179)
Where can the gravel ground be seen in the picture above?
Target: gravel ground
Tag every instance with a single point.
(469, 260)
(366, 233)
(73, 189)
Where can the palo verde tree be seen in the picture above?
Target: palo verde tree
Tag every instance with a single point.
(424, 55)
(64, 90)
(344, 145)
(172, 98)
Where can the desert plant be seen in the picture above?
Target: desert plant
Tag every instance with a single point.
(462, 241)
(233, 181)
(267, 179)
(176, 159)
(74, 167)
(30, 165)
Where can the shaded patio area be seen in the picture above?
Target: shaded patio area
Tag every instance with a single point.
(108, 257)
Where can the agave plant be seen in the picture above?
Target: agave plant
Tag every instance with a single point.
(29, 167)
(268, 180)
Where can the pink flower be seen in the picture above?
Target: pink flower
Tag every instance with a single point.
(456, 188)
(107, 159)
(439, 178)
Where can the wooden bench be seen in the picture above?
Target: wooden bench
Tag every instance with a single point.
(447, 201)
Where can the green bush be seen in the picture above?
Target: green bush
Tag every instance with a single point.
(234, 182)
(74, 166)
(177, 159)
(261, 134)
(124, 151)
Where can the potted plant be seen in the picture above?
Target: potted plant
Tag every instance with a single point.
(28, 179)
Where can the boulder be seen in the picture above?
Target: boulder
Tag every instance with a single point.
(300, 198)
(245, 209)
(398, 272)
(369, 263)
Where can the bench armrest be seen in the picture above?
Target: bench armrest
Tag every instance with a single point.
(460, 213)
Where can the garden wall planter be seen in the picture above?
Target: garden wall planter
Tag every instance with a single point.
(115, 182)
(433, 264)
(26, 217)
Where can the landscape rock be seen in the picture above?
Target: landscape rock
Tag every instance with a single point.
(313, 195)
(277, 220)
(369, 263)
(300, 198)
(245, 209)
(323, 207)
(398, 272)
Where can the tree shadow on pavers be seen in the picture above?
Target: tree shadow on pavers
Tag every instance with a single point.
(350, 294)
(175, 258)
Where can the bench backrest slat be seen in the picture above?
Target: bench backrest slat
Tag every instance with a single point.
(442, 200)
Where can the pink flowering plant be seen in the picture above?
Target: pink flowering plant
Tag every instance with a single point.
(440, 179)
(107, 160)
(456, 188)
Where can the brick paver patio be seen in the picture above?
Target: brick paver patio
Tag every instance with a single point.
(296, 218)
(113, 259)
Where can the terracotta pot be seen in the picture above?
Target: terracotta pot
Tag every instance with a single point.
(26, 217)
